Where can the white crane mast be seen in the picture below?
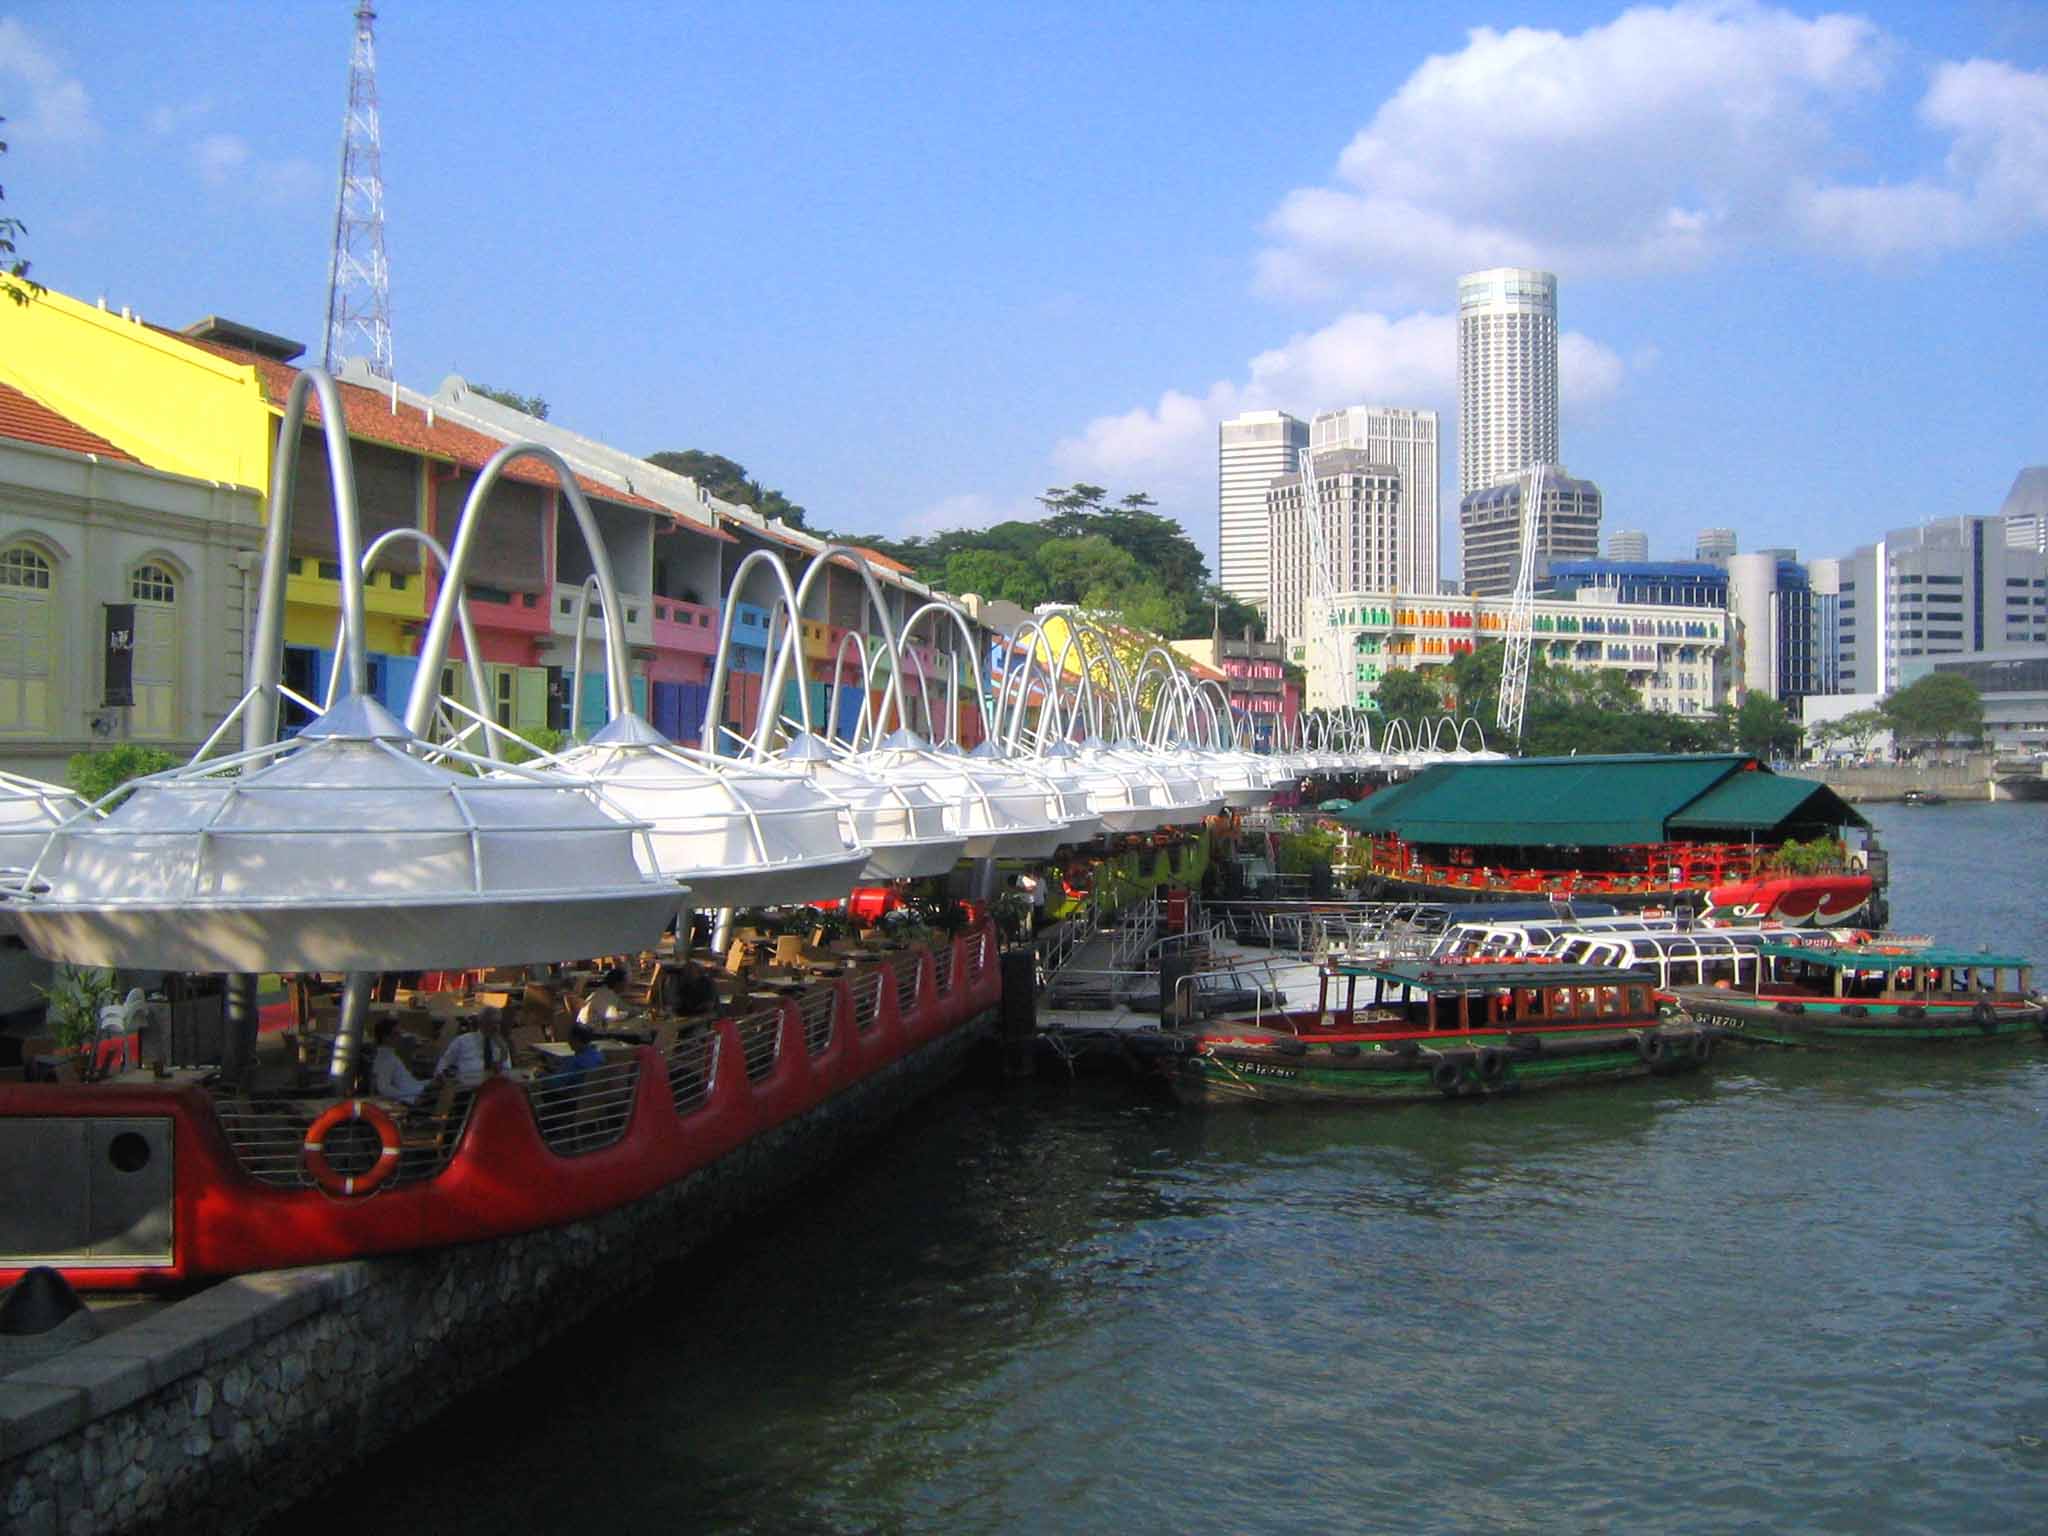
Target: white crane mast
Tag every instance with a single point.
(1514, 672)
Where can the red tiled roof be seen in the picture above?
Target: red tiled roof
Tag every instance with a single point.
(798, 541)
(371, 418)
(30, 421)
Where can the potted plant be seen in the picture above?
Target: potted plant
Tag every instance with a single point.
(75, 997)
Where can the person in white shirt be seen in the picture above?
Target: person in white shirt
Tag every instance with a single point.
(602, 1006)
(476, 1053)
(389, 1076)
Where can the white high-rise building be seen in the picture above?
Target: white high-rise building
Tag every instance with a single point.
(1628, 544)
(1407, 440)
(1252, 450)
(1507, 374)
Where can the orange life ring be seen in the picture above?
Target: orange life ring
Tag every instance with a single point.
(323, 1171)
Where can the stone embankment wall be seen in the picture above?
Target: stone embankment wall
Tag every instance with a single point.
(241, 1400)
(1968, 778)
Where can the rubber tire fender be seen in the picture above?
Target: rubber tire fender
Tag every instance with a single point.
(1446, 1076)
(1653, 1048)
(1786, 1005)
(1986, 1017)
(1702, 1046)
(1490, 1066)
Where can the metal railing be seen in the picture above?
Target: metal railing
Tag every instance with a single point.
(693, 1067)
(908, 971)
(816, 1007)
(760, 1042)
(582, 1111)
(867, 1000)
(267, 1135)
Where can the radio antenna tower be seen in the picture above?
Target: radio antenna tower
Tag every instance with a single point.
(358, 281)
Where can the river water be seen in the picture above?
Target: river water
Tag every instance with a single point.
(1803, 1292)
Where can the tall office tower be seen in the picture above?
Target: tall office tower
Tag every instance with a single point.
(1507, 374)
(1253, 450)
(1490, 530)
(1715, 544)
(1359, 512)
(1407, 440)
(2026, 510)
(1628, 544)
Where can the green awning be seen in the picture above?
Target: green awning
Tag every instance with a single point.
(1766, 802)
(1594, 802)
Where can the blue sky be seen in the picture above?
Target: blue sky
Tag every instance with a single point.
(914, 263)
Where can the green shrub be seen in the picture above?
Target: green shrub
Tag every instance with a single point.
(104, 769)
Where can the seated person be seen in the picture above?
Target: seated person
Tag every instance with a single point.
(569, 1070)
(476, 1053)
(602, 1006)
(390, 1078)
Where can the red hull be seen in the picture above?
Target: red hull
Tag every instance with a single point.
(1806, 900)
(503, 1177)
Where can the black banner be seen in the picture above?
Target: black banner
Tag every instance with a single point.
(120, 656)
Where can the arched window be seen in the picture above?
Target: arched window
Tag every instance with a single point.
(154, 589)
(27, 641)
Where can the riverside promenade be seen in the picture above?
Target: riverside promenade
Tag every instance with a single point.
(1969, 776)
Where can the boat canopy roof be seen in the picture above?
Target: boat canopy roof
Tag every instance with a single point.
(1542, 802)
(1887, 957)
(1485, 975)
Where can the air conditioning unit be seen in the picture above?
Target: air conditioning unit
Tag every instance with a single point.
(105, 724)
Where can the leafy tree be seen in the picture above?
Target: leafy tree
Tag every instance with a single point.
(1074, 567)
(1940, 706)
(729, 481)
(1762, 726)
(993, 573)
(1411, 695)
(95, 773)
(532, 405)
(1858, 728)
(15, 283)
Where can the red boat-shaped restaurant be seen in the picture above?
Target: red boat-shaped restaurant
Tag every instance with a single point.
(1404, 1031)
(1720, 834)
(187, 1184)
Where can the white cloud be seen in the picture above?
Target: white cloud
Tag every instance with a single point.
(1993, 185)
(169, 118)
(1360, 358)
(224, 160)
(1658, 141)
(58, 109)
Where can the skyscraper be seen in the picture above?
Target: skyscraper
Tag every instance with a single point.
(1716, 544)
(1252, 450)
(1490, 529)
(1359, 519)
(1507, 374)
(1628, 544)
(1406, 440)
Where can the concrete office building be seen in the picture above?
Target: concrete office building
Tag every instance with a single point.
(1252, 450)
(1628, 544)
(1775, 629)
(1490, 530)
(1407, 440)
(1507, 374)
(2026, 510)
(1945, 588)
(1715, 544)
(1358, 509)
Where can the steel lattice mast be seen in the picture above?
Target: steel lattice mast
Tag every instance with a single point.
(1514, 672)
(358, 280)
